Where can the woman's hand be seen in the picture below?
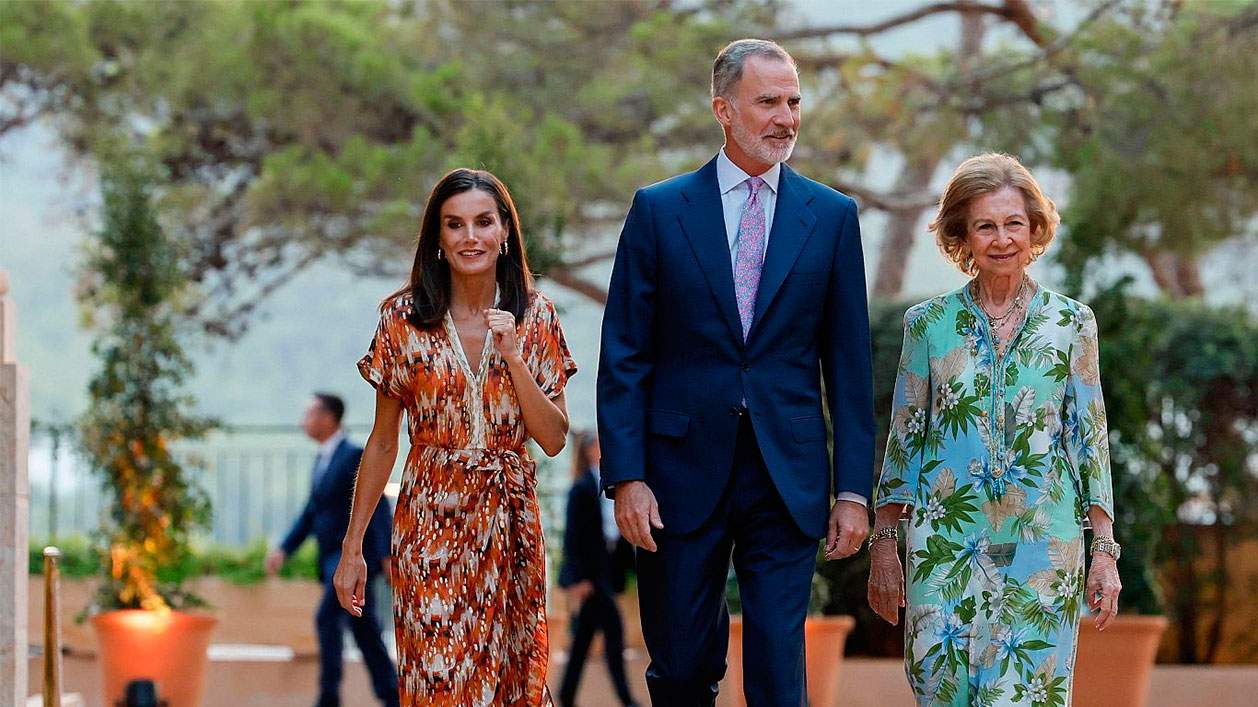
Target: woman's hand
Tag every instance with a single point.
(886, 580)
(1103, 589)
(350, 582)
(502, 327)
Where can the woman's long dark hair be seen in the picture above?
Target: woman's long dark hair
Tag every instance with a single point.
(429, 283)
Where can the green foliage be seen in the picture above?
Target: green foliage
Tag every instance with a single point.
(1153, 123)
(242, 566)
(291, 131)
(136, 410)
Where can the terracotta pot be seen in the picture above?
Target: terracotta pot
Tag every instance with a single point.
(824, 638)
(1113, 667)
(167, 647)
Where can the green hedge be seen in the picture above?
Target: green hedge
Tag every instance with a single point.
(238, 565)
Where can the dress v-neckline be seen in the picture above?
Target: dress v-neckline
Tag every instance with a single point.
(474, 376)
(475, 397)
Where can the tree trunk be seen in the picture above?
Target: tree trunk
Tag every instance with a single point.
(897, 245)
(1188, 275)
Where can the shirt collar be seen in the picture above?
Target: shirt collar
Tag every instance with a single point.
(730, 175)
(331, 443)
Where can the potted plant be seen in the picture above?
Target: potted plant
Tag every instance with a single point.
(131, 292)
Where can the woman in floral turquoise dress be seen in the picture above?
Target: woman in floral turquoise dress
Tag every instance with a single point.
(997, 455)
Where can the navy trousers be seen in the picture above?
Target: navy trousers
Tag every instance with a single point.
(599, 612)
(681, 588)
(330, 623)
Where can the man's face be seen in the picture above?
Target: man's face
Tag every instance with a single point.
(763, 116)
(317, 422)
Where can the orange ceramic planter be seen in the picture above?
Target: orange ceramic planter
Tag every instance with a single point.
(168, 648)
(1113, 667)
(824, 638)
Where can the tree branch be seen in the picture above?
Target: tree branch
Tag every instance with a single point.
(1005, 11)
(892, 202)
(589, 260)
(565, 277)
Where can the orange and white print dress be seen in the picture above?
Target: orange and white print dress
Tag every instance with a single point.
(468, 556)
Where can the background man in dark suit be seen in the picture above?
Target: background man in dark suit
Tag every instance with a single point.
(595, 562)
(736, 289)
(326, 515)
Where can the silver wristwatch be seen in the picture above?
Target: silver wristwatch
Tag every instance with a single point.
(1108, 546)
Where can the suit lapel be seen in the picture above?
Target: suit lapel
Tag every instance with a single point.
(793, 221)
(703, 221)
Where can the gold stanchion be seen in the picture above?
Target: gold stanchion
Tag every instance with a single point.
(52, 628)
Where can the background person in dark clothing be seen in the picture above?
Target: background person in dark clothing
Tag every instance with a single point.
(595, 560)
(326, 515)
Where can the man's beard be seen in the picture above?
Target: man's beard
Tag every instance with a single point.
(756, 147)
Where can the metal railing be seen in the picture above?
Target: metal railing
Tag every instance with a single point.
(257, 478)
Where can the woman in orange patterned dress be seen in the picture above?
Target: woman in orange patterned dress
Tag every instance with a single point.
(477, 360)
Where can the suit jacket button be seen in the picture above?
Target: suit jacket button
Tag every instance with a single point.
(746, 367)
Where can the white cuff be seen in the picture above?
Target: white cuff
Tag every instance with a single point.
(853, 497)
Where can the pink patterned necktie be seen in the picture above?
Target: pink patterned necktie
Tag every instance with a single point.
(750, 258)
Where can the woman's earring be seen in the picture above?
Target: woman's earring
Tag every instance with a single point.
(504, 247)
(440, 254)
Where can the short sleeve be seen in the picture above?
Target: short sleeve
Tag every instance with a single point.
(546, 350)
(379, 366)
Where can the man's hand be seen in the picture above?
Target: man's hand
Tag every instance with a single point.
(636, 513)
(274, 561)
(848, 528)
(578, 593)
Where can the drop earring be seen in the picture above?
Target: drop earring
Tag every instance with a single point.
(505, 248)
(440, 254)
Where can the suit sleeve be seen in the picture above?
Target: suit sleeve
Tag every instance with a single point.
(381, 528)
(625, 364)
(847, 363)
(572, 570)
(300, 530)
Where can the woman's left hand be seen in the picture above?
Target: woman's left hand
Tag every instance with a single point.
(1103, 589)
(502, 327)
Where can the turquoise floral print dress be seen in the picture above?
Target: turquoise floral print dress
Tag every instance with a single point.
(999, 457)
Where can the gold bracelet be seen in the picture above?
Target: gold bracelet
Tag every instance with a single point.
(887, 532)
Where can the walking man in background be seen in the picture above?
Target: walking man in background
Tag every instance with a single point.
(595, 562)
(326, 515)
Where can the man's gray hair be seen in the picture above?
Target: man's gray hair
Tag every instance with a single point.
(728, 67)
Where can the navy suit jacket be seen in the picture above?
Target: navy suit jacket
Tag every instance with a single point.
(674, 369)
(326, 515)
(585, 552)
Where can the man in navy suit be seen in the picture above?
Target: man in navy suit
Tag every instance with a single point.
(595, 561)
(326, 515)
(736, 289)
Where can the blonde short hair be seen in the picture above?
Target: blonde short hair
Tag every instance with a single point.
(978, 176)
